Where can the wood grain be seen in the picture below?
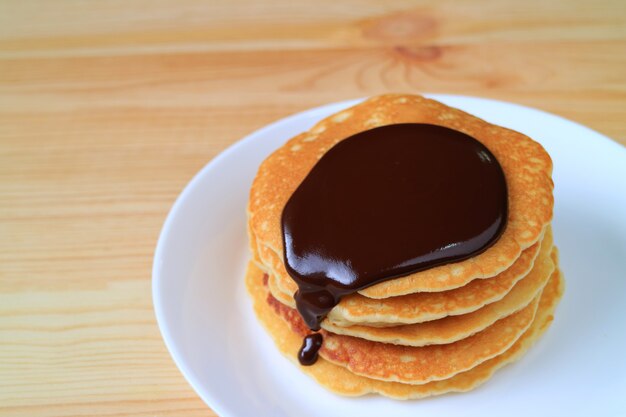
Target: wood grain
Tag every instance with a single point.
(108, 108)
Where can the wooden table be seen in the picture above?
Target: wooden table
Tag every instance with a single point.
(108, 108)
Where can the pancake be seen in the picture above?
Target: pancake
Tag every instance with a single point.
(526, 165)
(423, 307)
(341, 381)
(453, 328)
(415, 365)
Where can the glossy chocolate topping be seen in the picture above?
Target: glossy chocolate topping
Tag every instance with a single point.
(385, 203)
(310, 346)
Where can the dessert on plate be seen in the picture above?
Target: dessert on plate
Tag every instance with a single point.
(403, 247)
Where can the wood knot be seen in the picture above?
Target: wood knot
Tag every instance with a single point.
(400, 27)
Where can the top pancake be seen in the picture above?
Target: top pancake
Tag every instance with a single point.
(526, 165)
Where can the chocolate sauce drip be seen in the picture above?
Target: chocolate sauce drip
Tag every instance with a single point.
(385, 203)
(310, 346)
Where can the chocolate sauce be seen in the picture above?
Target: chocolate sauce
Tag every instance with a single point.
(385, 203)
(310, 346)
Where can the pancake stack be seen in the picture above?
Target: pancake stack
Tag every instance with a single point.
(444, 329)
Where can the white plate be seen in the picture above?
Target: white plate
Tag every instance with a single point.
(578, 367)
